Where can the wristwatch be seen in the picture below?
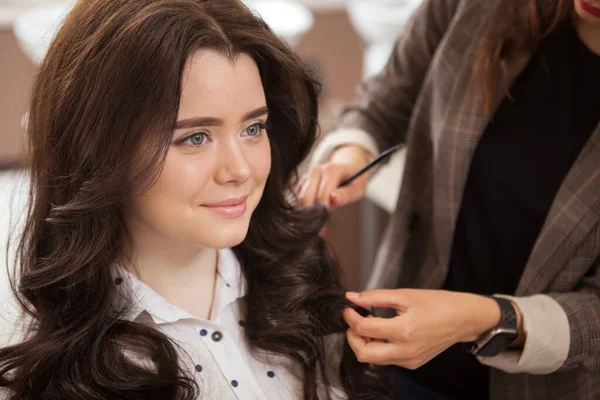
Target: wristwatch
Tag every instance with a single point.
(500, 337)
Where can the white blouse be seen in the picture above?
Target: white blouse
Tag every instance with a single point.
(215, 351)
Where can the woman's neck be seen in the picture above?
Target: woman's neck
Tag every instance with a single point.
(183, 274)
(589, 34)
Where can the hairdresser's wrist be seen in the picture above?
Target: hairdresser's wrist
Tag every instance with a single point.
(350, 154)
(482, 314)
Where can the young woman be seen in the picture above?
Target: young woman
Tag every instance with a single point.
(497, 102)
(162, 257)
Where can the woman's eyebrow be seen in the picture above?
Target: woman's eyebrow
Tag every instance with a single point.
(259, 112)
(212, 121)
(198, 121)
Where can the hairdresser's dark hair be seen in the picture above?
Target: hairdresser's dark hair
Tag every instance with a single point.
(103, 109)
(517, 28)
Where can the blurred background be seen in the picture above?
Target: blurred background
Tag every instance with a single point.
(345, 40)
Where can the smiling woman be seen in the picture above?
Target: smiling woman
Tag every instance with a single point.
(162, 257)
(216, 168)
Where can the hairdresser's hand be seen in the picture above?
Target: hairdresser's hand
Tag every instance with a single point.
(427, 323)
(320, 184)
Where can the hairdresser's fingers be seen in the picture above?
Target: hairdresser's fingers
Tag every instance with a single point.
(332, 176)
(398, 299)
(308, 194)
(372, 339)
(367, 351)
(300, 185)
(356, 341)
(376, 328)
(351, 158)
(351, 193)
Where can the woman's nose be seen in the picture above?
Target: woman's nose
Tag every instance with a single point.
(233, 166)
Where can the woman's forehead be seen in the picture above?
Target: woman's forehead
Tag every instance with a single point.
(215, 85)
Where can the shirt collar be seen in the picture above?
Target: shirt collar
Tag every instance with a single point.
(230, 285)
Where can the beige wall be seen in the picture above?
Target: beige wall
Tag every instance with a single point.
(16, 74)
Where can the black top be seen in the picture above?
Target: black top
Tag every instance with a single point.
(520, 162)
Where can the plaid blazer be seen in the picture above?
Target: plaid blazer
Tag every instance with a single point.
(425, 98)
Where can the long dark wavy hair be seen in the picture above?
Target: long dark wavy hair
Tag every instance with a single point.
(518, 28)
(103, 109)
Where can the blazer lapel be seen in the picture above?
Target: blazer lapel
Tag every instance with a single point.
(573, 214)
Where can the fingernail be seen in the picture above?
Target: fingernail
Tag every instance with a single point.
(352, 295)
(338, 199)
(323, 231)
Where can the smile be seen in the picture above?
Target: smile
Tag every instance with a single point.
(232, 207)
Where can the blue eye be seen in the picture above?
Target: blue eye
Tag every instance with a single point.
(256, 129)
(197, 139)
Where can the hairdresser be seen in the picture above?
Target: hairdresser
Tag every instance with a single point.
(491, 258)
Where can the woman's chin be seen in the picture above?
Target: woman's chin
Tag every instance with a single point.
(224, 239)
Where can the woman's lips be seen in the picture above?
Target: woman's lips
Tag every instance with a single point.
(232, 207)
(595, 11)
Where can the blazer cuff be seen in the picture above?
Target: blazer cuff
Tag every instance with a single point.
(547, 342)
(342, 137)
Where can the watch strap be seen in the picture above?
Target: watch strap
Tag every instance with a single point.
(497, 339)
(508, 314)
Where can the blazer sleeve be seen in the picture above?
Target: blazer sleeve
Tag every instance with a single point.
(562, 331)
(385, 102)
(582, 308)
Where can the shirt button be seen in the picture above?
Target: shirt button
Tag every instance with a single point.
(234, 383)
(217, 336)
(118, 281)
(270, 374)
(199, 368)
(242, 323)
(203, 332)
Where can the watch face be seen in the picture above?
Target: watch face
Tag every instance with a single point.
(497, 342)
